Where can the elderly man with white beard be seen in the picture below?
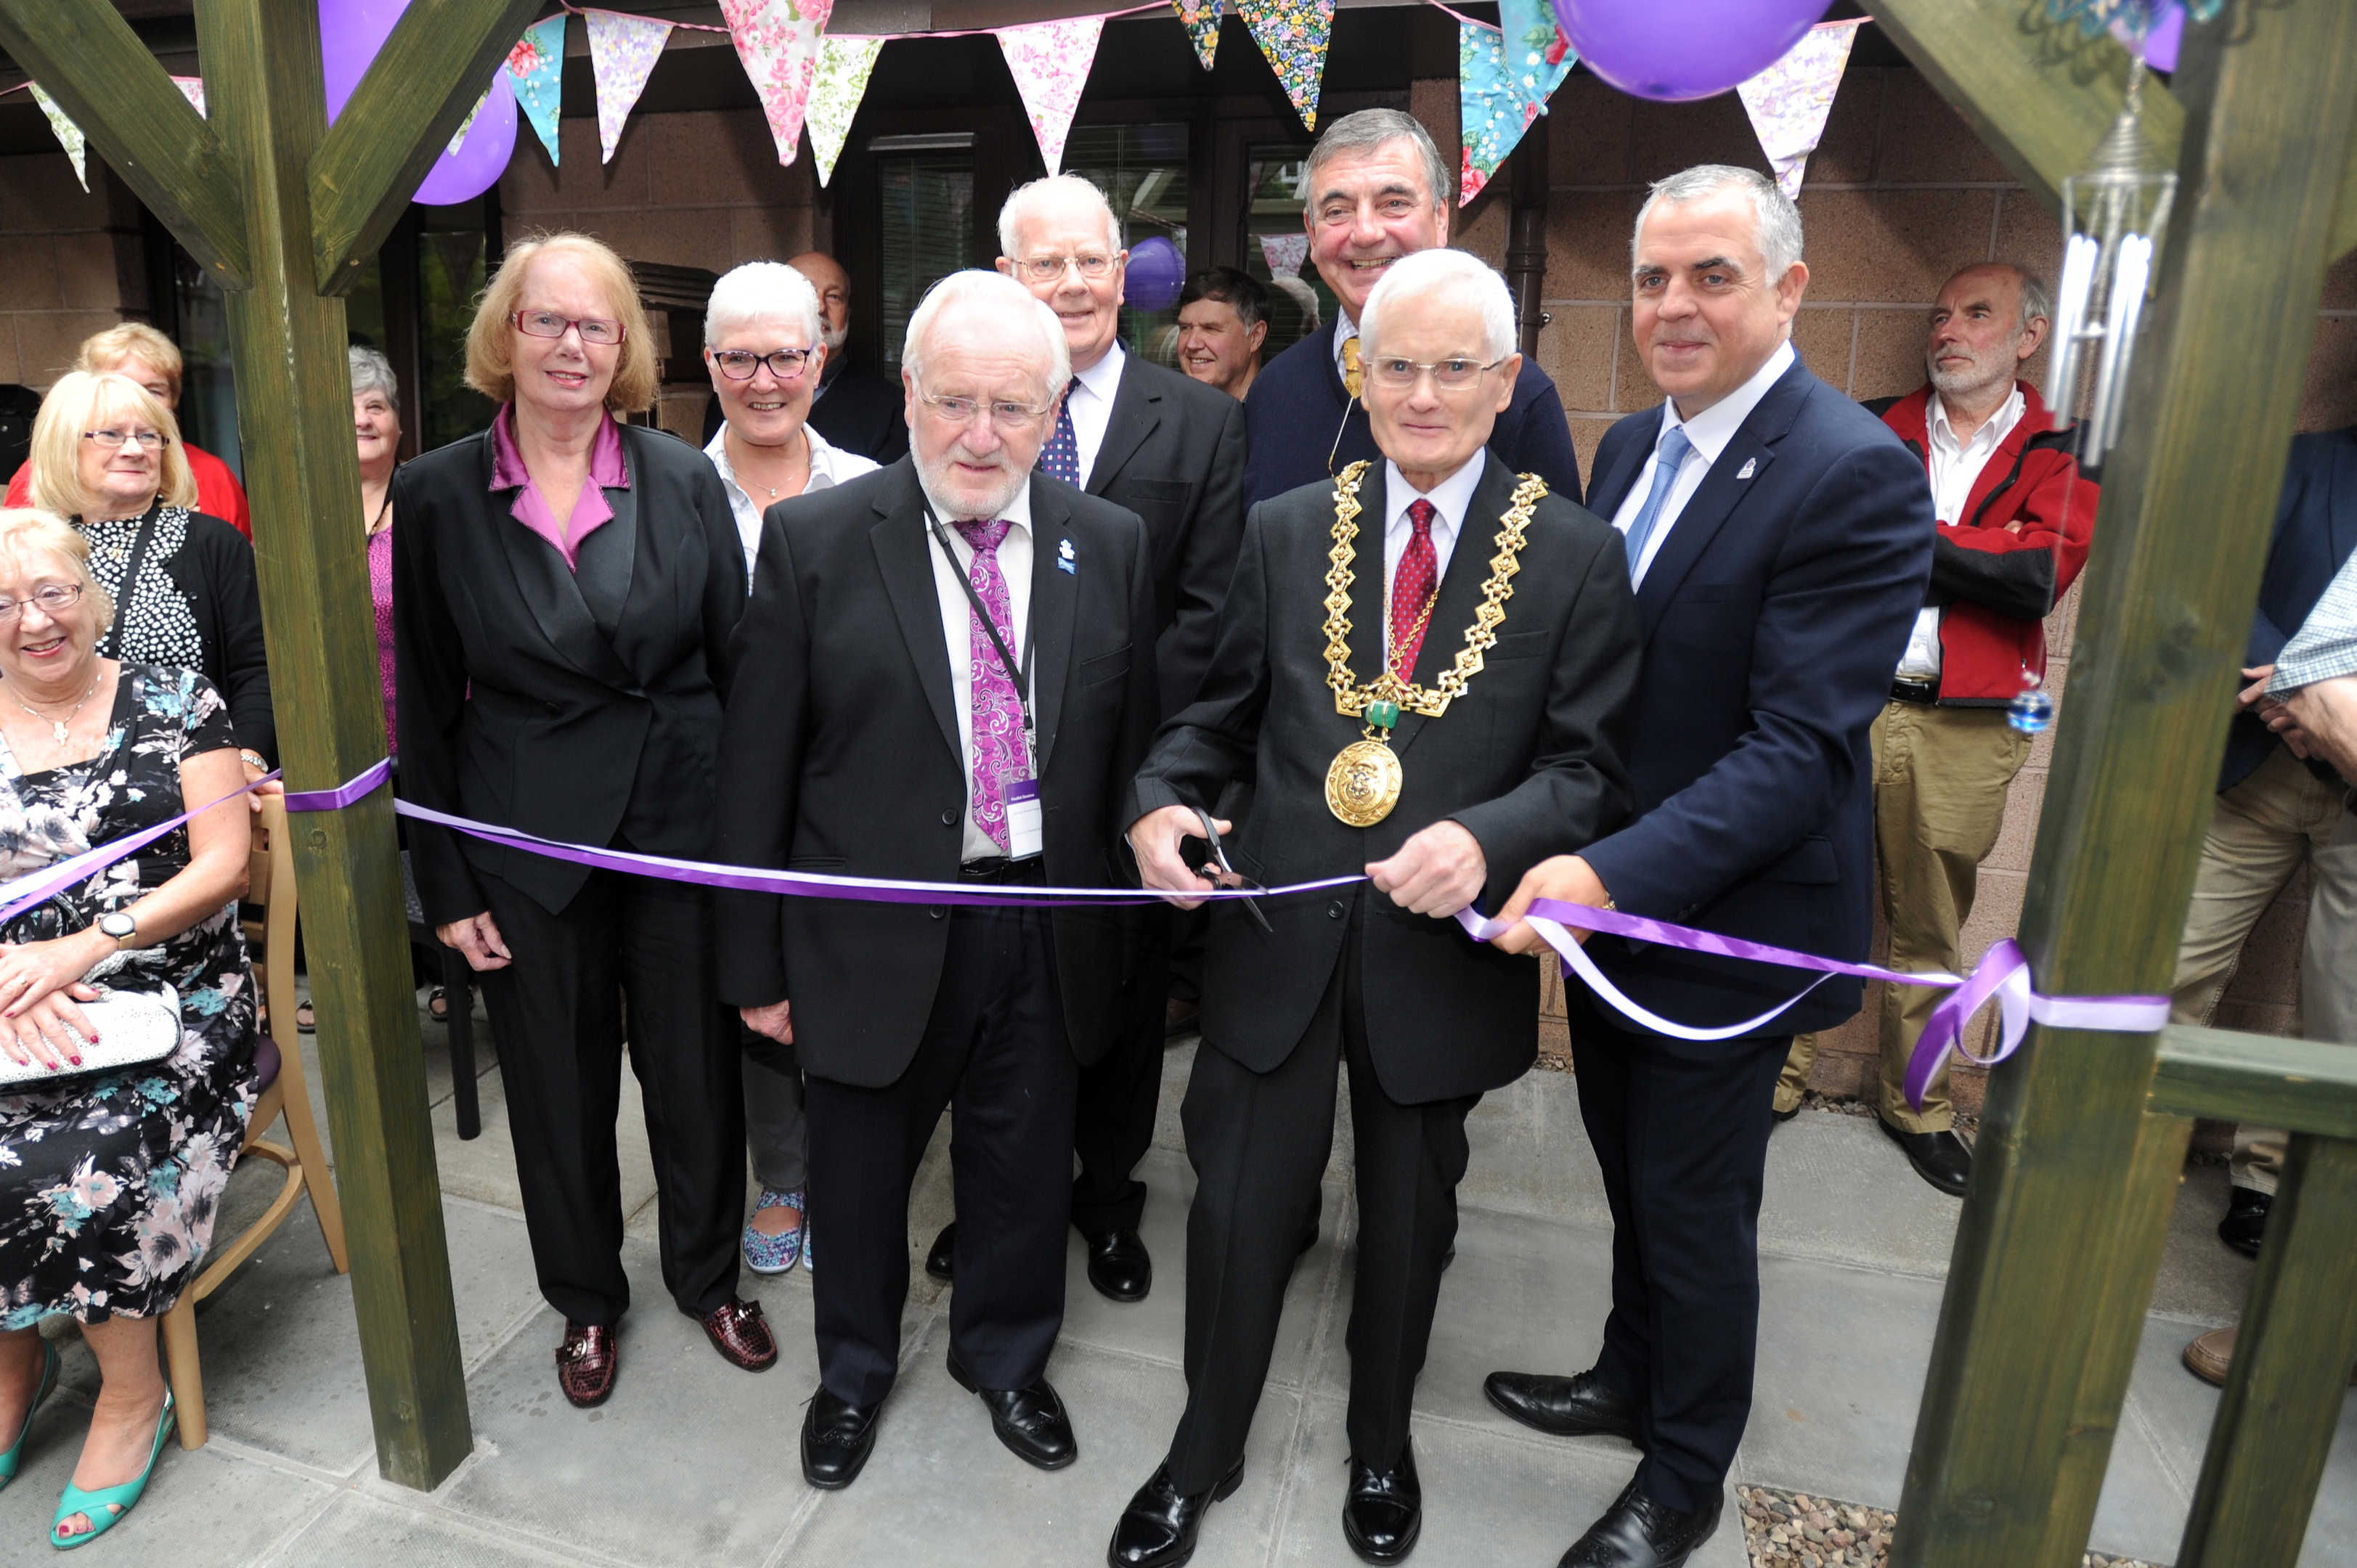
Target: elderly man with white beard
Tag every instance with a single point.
(950, 678)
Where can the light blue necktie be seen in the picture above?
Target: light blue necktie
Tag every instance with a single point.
(1668, 458)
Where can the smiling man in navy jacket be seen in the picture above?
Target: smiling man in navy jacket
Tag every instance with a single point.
(1779, 537)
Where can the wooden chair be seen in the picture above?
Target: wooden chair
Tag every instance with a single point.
(283, 1093)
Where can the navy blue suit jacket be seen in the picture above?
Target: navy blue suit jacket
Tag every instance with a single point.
(2316, 529)
(1772, 616)
(1299, 414)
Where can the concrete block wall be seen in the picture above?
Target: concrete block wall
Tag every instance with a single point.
(70, 263)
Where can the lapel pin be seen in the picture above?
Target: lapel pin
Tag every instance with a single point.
(1750, 467)
(1064, 557)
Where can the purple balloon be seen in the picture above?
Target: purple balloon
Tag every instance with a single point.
(1698, 50)
(351, 32)
(1157, 274)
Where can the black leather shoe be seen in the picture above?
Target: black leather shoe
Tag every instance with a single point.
(1383, 1511)
(837, 1438)
(1119, 1265)
(2245, 1225)
(1576, 1406)
(944, 1252)
(1784, 1116)
(1031, 1422)
(1158, 1530)
(1637, 1532)
(1940, 1158)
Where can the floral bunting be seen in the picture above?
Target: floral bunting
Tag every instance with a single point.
(1504, 77)
(1202, 19)
(1789, 101)
(622, 51)
(1050, 63)
(777, 41)
(841, 82)
(68, 135)
(192, 88)
(537, 64)
(1284, 254)
(1292, 34)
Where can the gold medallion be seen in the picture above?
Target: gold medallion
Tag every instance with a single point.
(1363, 784)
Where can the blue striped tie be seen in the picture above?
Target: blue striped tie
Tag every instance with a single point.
(1668, 458)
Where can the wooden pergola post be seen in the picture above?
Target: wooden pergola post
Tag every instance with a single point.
(284, 211)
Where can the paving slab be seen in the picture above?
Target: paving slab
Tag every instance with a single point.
(357, 1529)
(211, 1508)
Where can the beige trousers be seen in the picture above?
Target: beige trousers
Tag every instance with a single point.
(1940, 780)
(2260, 832)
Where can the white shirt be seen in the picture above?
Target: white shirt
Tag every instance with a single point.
(1091, 401)
(1711, 431)
(1449, 500)
(957, 631)
(1956, 468)
(829, 466)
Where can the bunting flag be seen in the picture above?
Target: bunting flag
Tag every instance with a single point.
(1284, 254)
(1504, 78)
(1050, 63)
(777, 41)
(1292, 34)
(192, 88)
(68, 135)
(1202, 19)
(1788, 102)
(841, 82)
(622, 51)
(537, 64)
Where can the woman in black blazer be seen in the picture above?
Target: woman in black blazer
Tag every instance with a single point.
(565, 586)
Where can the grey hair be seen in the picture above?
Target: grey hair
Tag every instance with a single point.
(1028, 198)
(1363, 133)
(1778, 221)
(762, 291)
(978, 287)
(1463, 279)
(371, 372)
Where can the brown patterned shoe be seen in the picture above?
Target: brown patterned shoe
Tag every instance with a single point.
(2212, 1356)
(586, 1363)
(737, 1331)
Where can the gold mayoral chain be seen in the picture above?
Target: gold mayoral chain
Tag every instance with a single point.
(1363, 784)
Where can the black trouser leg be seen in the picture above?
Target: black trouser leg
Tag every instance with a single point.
(1680, 1132)
(1120, 1093)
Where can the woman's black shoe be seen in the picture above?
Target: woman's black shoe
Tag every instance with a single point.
(1158, 1528)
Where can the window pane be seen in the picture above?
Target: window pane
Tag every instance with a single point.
(1299, 298)
(1142, 169)
(927, 205)
(208, 412)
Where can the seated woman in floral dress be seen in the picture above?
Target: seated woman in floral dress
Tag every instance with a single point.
(109, 1181)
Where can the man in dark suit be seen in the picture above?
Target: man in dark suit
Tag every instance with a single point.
(1172, 451)
(1375, 191)
(1780, 538)
(1507, 746)
(949, 678)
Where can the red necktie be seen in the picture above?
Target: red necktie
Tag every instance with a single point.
(1413, 584)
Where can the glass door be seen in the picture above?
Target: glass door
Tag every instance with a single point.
(1143, 170)
(925, 187)
(1275, 245)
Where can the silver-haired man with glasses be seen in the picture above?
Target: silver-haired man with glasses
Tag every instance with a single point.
(948, 677)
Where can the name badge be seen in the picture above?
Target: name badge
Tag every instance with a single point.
(1023, 838)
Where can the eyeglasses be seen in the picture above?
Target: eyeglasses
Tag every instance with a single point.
(55, 597)
(595, 330)
(738, 364)
(1091, 267)
(1450, 375)
(962, 410)
(112, 440)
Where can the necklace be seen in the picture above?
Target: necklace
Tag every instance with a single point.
(58, 727)
(1363, 783)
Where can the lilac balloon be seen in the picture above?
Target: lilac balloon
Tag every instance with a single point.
(1157, 274)
(1694, 50)
(351, 32)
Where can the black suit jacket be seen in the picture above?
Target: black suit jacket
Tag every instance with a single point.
(841, 755)
(581, 704)
(1174, 454)
(1773, 615)
(2315, 530)
(1529, 760)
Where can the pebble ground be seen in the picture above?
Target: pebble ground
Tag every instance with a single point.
(1794, 1530)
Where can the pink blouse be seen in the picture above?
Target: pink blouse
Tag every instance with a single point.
(607, 471)
(379, 559)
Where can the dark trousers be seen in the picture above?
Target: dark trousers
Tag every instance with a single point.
(1120, 1093)
(996, 1052)
(1259, 1144)
(557, 1017)
(1681, 1131)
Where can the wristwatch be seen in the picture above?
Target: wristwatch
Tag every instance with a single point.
(253, 760)
(120, 926)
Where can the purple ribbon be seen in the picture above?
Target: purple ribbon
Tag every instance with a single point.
(345, 794)
(39, 886)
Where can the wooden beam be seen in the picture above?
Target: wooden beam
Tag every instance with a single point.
(293, 390)
(418, 91)
(2264, 1079)
(2061, 1232)
(86, 56)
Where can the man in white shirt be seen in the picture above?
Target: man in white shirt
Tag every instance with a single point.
(2014, 518)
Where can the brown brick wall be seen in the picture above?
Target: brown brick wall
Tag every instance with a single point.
(72, 262)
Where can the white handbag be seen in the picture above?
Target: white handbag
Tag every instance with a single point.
(134, 1026)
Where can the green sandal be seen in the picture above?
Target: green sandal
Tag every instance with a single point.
(48, 1381)
(107, 1506)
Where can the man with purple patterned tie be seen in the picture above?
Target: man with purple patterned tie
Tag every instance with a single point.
(950, 680)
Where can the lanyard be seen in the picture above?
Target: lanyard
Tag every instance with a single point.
(1019, 674)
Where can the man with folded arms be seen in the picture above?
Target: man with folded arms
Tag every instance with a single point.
(1780, 538)
(950, 679)
(1452, 712)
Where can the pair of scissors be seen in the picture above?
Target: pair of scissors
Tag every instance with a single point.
(1227, 876)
